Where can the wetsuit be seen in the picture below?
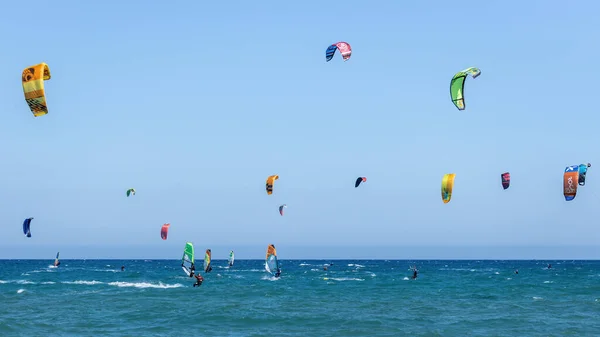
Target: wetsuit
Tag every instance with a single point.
(199, 280)
(415, 274)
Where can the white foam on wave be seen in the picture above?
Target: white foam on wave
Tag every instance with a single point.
(304, 264)
(24, 282)
(89, 283)
(270, 278)
(49, 282)
(536, 298)
(346, 279)
(20, 291)
(144, 285)
(356, 265)
(108, 270)
(405, 278)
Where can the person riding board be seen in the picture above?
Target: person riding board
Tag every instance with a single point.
(191, 270)
(278, 273)
(199, 280)
(415, 273)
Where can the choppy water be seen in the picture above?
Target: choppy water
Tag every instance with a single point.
(352, 298)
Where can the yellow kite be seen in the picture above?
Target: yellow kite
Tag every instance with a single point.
(270, 182)
(447, 184)
(33, 86)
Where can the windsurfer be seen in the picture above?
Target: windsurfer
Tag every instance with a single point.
(415, 273)
(199, 280)
(278, 273)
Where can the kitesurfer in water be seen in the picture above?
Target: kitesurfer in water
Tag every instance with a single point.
(122, 268)
(199, 280)
(415, 273)
(549, 265)
(517, 271)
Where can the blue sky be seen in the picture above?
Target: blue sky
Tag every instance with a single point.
(194, 104)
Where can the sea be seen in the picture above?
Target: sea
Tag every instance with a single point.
(350, 298)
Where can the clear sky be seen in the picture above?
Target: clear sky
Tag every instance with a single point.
(195, 103)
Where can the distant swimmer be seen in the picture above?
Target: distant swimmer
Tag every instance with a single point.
(325, 268)
(122, 268)
(517, 271)
(199, 280)
(549, 266)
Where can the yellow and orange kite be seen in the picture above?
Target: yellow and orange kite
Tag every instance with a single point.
(33, 87)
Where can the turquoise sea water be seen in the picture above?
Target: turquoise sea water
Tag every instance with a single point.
(352, 298)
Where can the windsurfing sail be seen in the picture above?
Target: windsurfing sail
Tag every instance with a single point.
(33, 87)
(164, 231)
(231, 258)
(130, 191)
(187, 261)
(570, 180)
(207, 257)
(281, 209)
(447, 185)
(270, 182)
(505, 180)
(457, 86)
(582, 173)
(56, 261)
(26, 227)
(271, 263)
(359, 180)
(344, 48)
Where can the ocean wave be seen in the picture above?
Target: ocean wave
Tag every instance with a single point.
(89, 283)
(143, 285)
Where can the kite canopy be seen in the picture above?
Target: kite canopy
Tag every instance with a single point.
(582, 173)
(457, 86)
(164, 231)
(26, 227)
(447, 185)
(505, 180)
(281, 209)
(359, 180)
(33, 78)
(344, 48)
(270, 182)
(131, 191)
(570, 179)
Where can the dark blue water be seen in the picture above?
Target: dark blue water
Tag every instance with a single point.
(352, 298)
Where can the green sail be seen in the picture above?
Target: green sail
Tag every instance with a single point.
(188, 254)
(457, 86)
